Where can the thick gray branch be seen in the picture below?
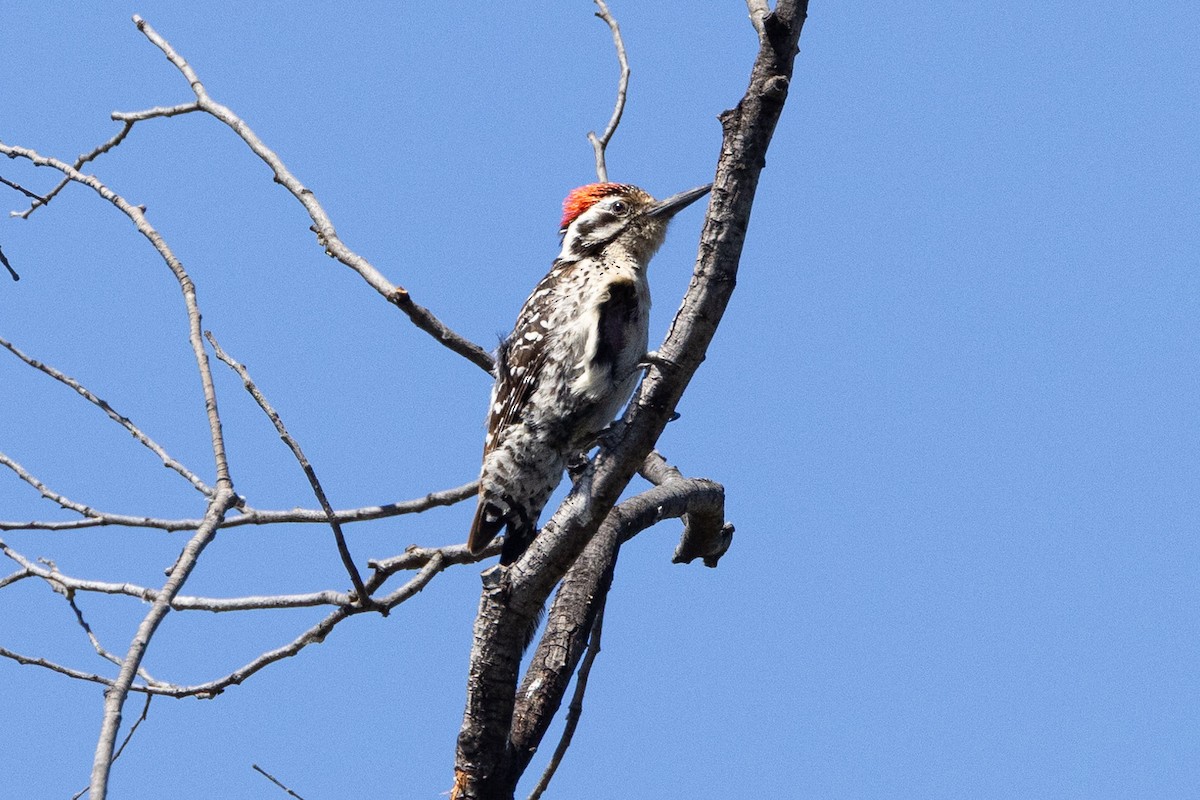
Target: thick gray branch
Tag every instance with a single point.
(512, 597)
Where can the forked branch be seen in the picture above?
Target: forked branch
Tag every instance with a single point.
(486, 756)
(311, 474)
(322, 225)
(600, 144)
(129, 118)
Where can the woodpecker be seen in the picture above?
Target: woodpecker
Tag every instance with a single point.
(572, 359)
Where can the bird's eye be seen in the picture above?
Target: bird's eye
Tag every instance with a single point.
(619, 207)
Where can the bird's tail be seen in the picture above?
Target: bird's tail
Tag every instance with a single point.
(516, 539)
(489, 520)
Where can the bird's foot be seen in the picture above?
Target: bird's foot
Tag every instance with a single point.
(654, 359)
(577, 465)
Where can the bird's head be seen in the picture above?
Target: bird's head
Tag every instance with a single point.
(599, 215)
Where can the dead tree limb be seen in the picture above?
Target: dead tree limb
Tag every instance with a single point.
(309, 473)
(112, 414)
(600, 143)
(512, 597)
(322, 225)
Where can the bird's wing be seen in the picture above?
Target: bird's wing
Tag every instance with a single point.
(617, 313)
(520, 361)
(517, 367)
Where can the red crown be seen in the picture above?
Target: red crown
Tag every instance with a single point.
(583, 198)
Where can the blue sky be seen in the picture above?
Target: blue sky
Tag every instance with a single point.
(952, 402)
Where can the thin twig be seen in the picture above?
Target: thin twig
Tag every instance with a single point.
(45, 491)
(435, 565)
(129, 118)
(99, 648)
(66, 583)
(322, 225)
(415, 558)
(309, 472)
(8, 266)
(312, 635)
(575, 709)
(141, 718)
(112, 414)
(21, 189)
(600, 145)
(68, 671)
(251, 516)
(431, 561)
(137, 722)
(19, 575)
(155, 113)
(275, 781)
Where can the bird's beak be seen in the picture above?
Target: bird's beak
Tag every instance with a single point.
(677, 202)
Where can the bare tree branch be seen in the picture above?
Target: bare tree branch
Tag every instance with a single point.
(53, 667)
(416, 557)
(575, 709)
(315, 634)
(706, 535)
(309, 472)
(154, 113)
(99, 648)
(275, 781)
(129, 735)
(114, 698)
(137, 215)
(18, 187)
(129, 119)
(600, 145)
(758, 11)
(571, 619)
(112, 414)
(19, 575)
(581, 596)
(429, 562)
(45, 491)
(510, 724)
(322, 225)
(67, 585)
(249, 516)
